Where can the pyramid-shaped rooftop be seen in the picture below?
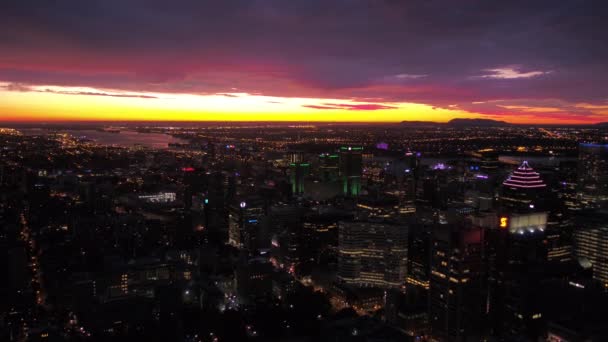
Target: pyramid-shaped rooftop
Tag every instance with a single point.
(524, 177)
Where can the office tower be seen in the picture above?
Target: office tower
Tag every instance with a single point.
(458, 282)
(522, 190)
(559, 232)
(372, 253)
(432, 192)
(407, 310)
(418, 261)
(593, 175)
(192, 180)
(298, 171)
(351, 169)
(329, 167)
(559, 237)
(404, 172)
(525, 191)
(244, 220)
(591, 243)
(487, 161)
(215, 209)
(516, 255)
(296, 157)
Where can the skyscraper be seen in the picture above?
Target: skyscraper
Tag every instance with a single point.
(351, 169)
(516, 256)
(244, 220)
(418, 269)
(593, 174)
(522, 190)
(591, 243)
(372, 253)
(298, 171)
(329, 167)
(458, 282)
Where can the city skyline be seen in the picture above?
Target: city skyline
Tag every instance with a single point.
(358, 61)
(303, 170)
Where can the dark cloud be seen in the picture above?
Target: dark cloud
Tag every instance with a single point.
(355, 106)
(95, 93)
(353, 49)
(28, 88)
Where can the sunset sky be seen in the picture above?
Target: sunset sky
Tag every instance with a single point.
(304, 60)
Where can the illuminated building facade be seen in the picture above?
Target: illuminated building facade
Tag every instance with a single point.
(591, 243)
(525, 192)
(522, 189)
(298, 171)
(418, 263)
(329, 167)
(161, 197)
(487, 160)
(457, 282)
(244, 220)
(372, 253)
(593, 175)
(516, 256)
(351, 170)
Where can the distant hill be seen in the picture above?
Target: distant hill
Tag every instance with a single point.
(477, 123)
(420, 123)
(458, 123)
(602, 124)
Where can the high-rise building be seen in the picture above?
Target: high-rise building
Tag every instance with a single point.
(372, 253)
(516, 256)
(329, 167)
(244, 220)
(487, 161)
(215, 209)
(418, 262)
(351, 170)
(298, 171)
(522, 190)
(593, 175)
(458, 282)
(591, 243)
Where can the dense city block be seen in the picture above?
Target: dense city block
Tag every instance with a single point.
(305, 232)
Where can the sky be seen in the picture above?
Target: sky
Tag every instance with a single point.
(304, 60)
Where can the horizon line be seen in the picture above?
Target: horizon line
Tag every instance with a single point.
(421, 122)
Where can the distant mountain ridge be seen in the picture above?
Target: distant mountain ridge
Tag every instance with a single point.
(477, 123)
(420, 123)
(459, 122)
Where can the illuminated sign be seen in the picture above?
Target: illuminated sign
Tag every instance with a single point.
(350, 148)
(243, 204)
(504, 222)
(187, 169)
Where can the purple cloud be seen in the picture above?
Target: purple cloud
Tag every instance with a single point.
(358, 106)
(379, 51)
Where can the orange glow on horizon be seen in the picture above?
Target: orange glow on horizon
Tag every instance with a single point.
(52, 103)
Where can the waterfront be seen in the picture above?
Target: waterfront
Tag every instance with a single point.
(125, 138)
